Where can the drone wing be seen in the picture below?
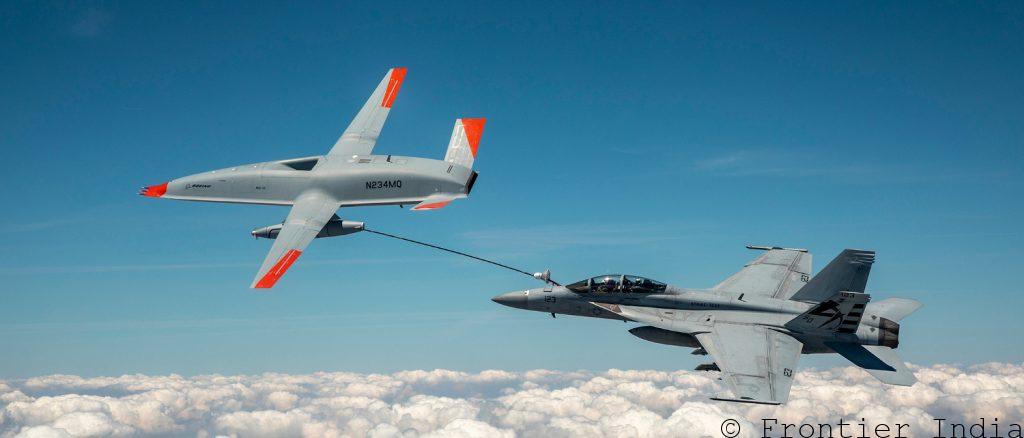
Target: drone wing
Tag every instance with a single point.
(361, 135)
(308, 216)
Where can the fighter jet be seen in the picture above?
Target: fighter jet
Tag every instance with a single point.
(756, 323)
(348, 176)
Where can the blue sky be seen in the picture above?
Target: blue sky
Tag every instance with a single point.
(656, 139)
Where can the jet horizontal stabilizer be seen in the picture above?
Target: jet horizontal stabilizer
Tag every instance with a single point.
(880, 361)
(860, 356)
(746, 400)
(437, 201)
(708, 367)
(769, 248)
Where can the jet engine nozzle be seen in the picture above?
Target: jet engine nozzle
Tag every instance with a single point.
(888, 333)
(334, 227)
(882, 331)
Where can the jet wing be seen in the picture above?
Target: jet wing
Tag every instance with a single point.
(757, 363)
(361, 135)
(308, 216)
(778, 273)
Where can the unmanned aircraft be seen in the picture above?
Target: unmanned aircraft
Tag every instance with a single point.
(756, 323)
(348, 176)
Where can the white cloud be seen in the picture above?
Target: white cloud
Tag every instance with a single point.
(443, 403)
(774, 163)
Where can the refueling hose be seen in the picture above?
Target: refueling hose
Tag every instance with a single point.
(535, 276)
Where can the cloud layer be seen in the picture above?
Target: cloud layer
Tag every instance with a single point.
(442, 403)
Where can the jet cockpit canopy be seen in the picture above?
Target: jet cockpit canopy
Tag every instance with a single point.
(617, 283)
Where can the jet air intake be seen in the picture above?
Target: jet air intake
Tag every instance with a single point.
(334, 227)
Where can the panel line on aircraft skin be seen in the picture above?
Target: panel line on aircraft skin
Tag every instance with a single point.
(316, 190)
(755, 338)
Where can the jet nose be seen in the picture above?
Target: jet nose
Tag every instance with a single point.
(512, 299)
(154, 191)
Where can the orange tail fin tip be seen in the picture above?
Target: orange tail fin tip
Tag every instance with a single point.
(474, 130)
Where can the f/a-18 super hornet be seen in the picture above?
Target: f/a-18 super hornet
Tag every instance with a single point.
(756, 323)
(348, 176)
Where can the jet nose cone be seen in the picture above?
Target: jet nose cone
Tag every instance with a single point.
(154, 191)
(512, 299)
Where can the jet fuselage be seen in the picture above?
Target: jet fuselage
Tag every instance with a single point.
(354, 180)
(690, 311)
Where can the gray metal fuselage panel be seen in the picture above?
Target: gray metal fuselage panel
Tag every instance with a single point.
(353, 180)
(688, 311)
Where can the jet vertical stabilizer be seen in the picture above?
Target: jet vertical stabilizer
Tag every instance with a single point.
(848, 272)
(461, 152)
(465, 142)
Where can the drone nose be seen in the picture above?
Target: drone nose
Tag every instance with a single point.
(154, 191)
(512, 299)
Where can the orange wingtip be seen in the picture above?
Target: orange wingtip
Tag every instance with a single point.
(154, 191)
(474, 130)
(431, 206)
(278, 270)
(394, 84)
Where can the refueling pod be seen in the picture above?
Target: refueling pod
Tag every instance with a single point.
(334, 227)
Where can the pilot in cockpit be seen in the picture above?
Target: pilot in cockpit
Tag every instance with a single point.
(627, 286)
(609, 285)
(617, 283)
(641, 283)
